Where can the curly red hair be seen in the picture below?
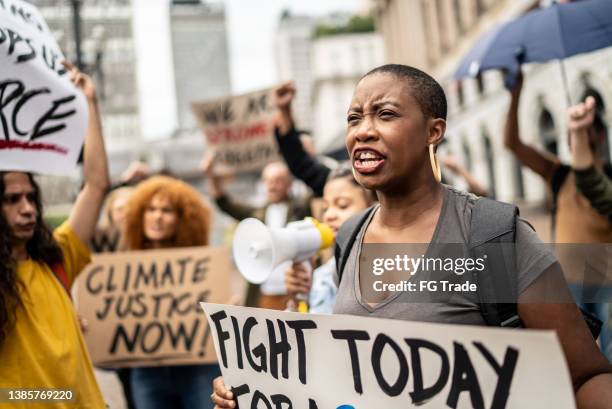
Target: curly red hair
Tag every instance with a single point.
(194, 216)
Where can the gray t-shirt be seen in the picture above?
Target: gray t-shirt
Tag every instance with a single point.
(532, 259)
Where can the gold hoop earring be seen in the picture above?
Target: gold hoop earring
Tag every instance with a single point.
(435, 165)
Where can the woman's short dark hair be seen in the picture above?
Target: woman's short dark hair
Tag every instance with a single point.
(426, 90)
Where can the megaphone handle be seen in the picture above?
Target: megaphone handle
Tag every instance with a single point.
(302, 302)
(302, 307)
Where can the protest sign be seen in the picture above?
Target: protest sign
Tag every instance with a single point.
(281, 360)
(105, 241)
(240, 130)
(43, 116)
(142, 306)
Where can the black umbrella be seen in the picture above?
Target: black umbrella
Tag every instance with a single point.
(553, 33)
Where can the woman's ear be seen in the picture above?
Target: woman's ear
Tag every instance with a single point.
(436, 129)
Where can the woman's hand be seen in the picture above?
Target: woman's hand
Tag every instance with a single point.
(207, 165)
(222, 397)
(81, 80)
(579, 120)
(298, 279)
(580, 117)
(283, 97)
(450, 163)
(136, 172)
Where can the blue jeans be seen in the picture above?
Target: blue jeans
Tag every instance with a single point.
(600, 309)
(187, 387)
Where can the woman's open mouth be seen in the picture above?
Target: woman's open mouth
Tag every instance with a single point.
(367, 161)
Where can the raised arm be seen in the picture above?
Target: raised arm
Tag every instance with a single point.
(84, 214)
(579, 119)
(541, 163)
(590, 181)
(215, 185)
(302, 165)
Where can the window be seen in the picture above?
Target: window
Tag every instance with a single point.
(457, 13)
(519, 185)
(548, 132)
(445, 36)
(490, 160)
(467, 154)
(460, 95)
(480, 84)
(480, 7)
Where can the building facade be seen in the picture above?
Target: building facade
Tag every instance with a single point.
(434, 35)
(324, 68)
(294, 60)
(338, 62)
(150, 59)
(200, 56)
(108, 52)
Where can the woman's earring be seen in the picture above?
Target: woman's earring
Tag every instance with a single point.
(435, 165)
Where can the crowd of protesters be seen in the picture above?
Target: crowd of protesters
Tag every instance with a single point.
(391, 191)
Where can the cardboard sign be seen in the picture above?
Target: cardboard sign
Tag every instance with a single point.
(105, 241)
(304, 361)
(142, 306)
(43, 116)
(240, 130)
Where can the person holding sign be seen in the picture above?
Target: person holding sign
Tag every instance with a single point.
(164, 212)
(396, 119)
(41, 345)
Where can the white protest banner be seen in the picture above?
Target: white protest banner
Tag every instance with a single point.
(281, 360)
(43, 116)
(143, 306)
(240, 130)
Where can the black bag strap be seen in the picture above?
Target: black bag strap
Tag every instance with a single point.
(346, 237)
(493, 224)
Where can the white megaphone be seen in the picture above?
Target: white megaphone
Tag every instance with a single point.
(259, 249)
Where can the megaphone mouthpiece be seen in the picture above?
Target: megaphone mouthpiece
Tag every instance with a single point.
(259, 249)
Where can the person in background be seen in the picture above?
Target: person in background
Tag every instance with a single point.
(280, 209)
(574, 220)
(41, 345)
(585, 129)
(342, 198)
(298, 156)
(164, 212)
(590, 180)
(107, 237)
(116, 208)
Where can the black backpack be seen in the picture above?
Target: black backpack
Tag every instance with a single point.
(483, 233)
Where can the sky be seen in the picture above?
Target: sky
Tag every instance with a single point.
(252, 26)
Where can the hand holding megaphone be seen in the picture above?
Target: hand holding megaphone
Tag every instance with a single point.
(259, 249)
(298, 279)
